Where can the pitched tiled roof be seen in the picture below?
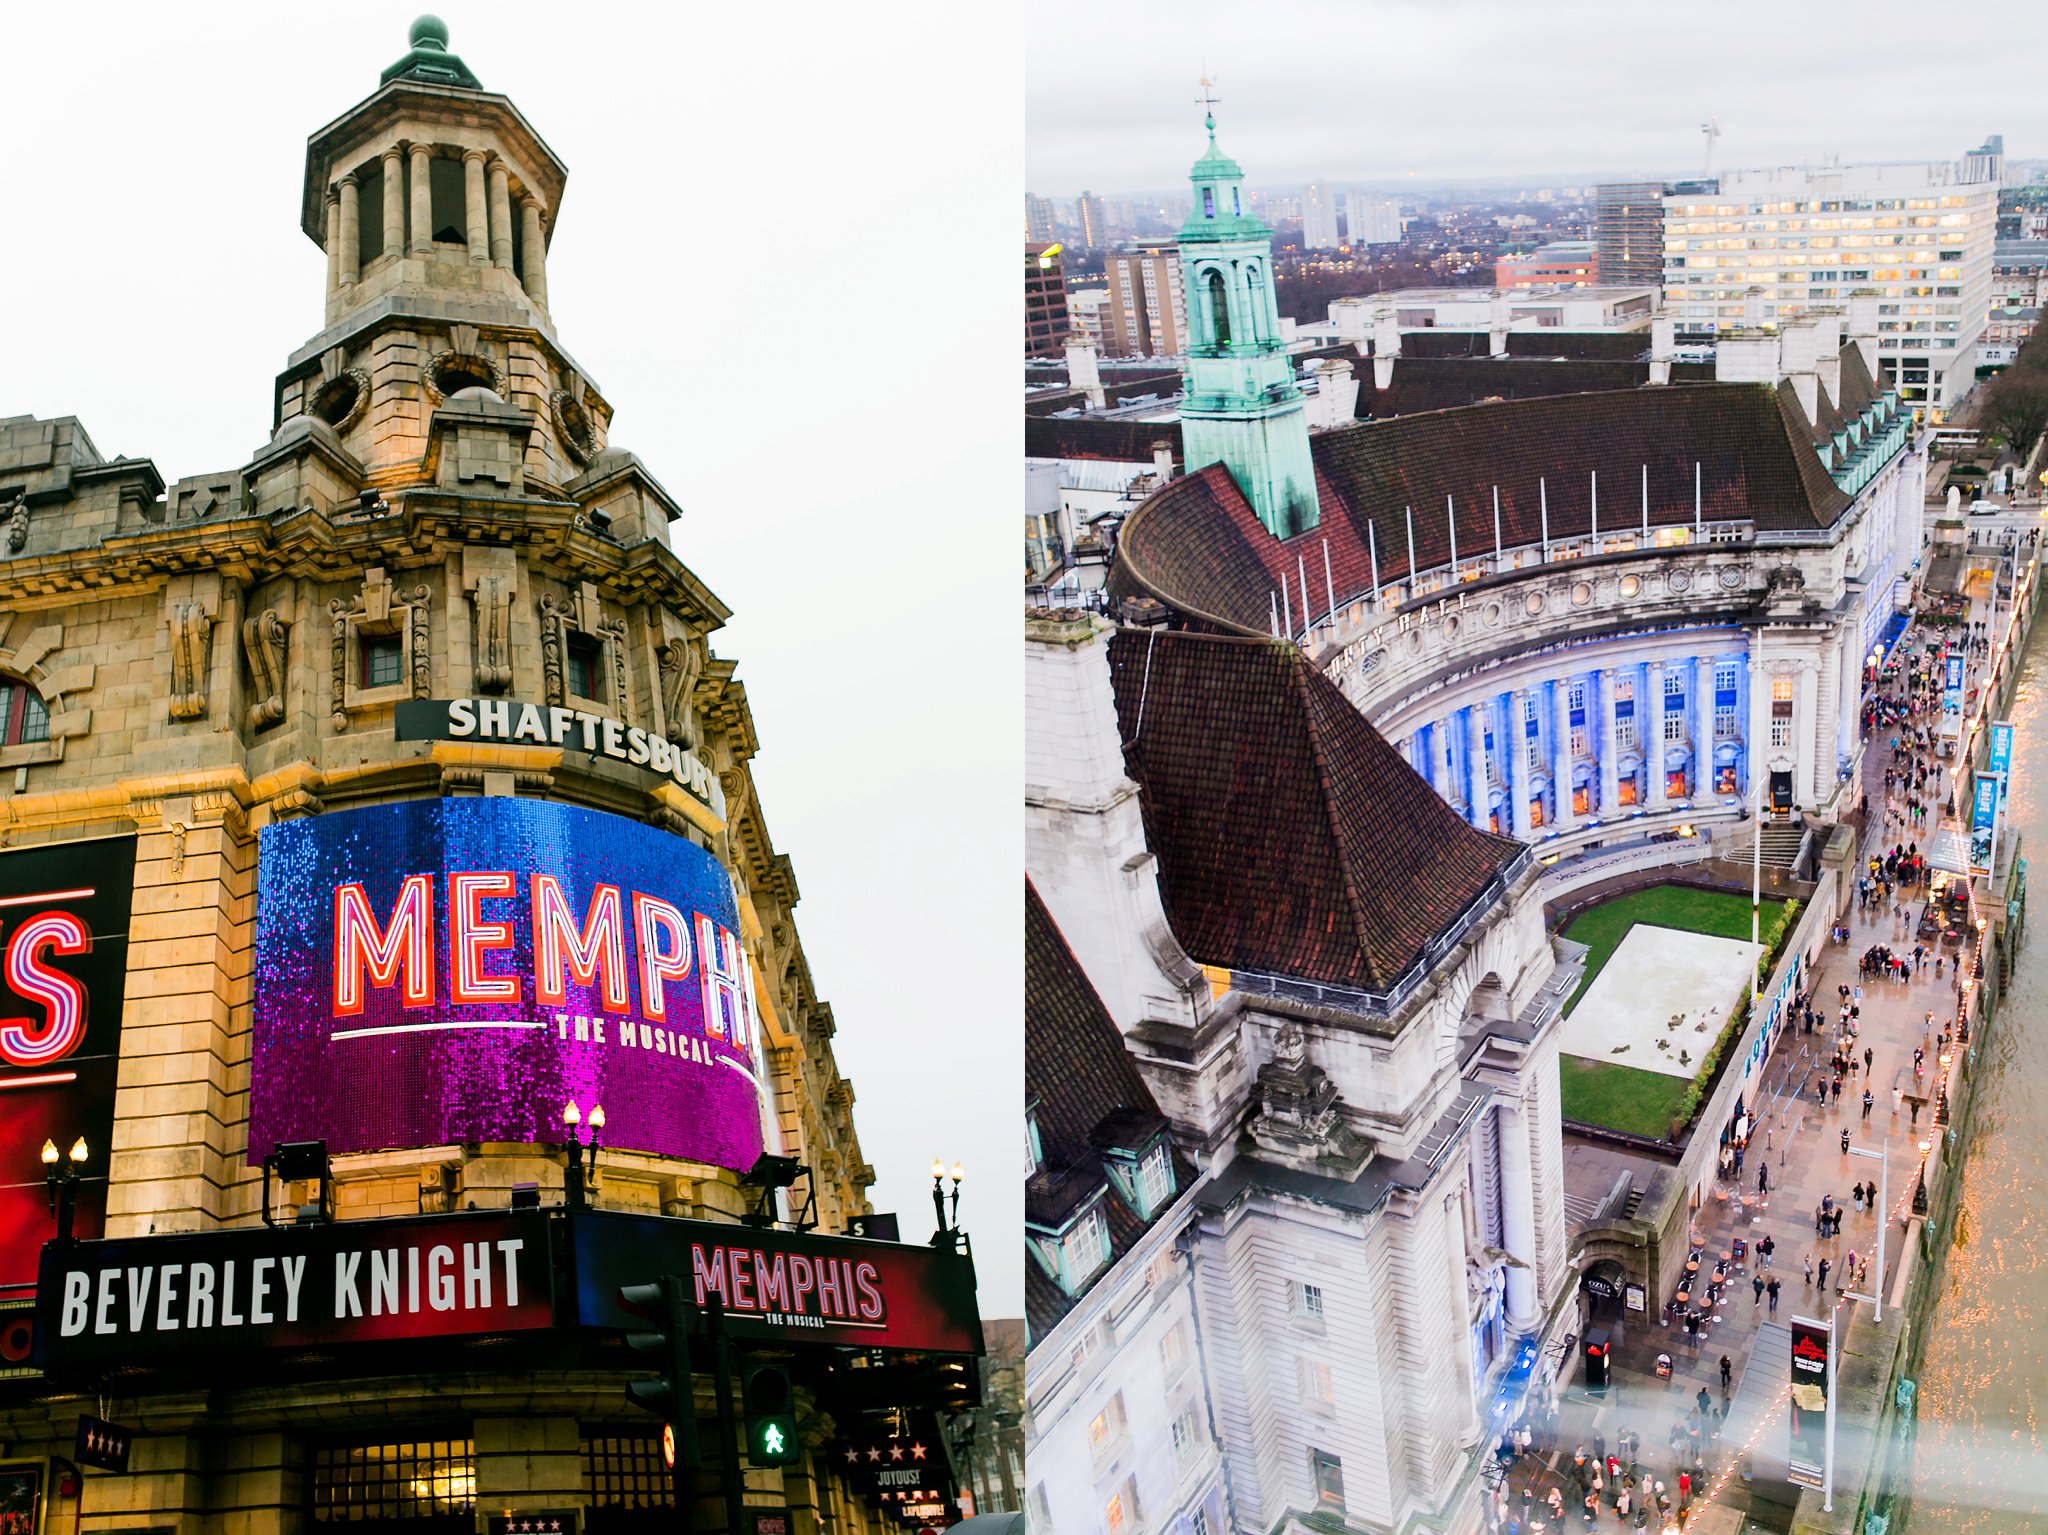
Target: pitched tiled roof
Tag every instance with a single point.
(1075, 437)
(1199, 548)
(1085, 1094)
(1292, 840)
(1442, 383)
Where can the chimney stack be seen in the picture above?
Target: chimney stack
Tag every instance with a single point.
(1663, 342)
(1083, 373)
(1863, 325)
(1386, 346)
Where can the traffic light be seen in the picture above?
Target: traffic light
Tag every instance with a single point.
(771, 1416)
(671, 1396)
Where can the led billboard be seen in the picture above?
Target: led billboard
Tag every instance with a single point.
(448, 971)
(63, 961)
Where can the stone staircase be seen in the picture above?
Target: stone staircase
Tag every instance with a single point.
(1782, 845)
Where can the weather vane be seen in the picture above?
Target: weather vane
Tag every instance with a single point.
(1208, 99)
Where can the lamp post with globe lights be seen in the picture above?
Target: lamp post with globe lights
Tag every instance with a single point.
(64, 1185)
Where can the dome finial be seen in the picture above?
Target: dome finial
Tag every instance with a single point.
(429, 32)
(1208, 99)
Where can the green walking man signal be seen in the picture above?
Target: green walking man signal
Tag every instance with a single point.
(771, 1416)
(671, 1396)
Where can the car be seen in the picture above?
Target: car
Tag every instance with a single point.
(1987, 508)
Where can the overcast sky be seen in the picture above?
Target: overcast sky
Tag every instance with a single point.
(745, 184)
(1414, 93)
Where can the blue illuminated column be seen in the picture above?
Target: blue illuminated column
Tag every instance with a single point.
(1440, 760)
(1610, 757)
(1475, 761)
(1702, 727)
(1561, 749)
(1516, 761)
(1650, 721)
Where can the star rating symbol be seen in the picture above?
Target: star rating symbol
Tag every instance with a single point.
(917, 1452)
(852, 1456)
(895, 1452)
(874, 1454)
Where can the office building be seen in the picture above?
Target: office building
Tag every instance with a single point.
(1045, 302)
(1760, 246)
(1559, 264)
(1092, 216)
(1039, 222)
(1370, 219)
(1628, 225)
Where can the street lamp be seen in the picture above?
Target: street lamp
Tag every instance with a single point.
(944, 1226)
(63, 1186)
(575, 1181)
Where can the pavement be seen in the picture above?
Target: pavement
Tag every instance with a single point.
(1802, 1143)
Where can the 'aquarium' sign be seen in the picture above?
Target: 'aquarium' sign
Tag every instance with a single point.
(447, 971)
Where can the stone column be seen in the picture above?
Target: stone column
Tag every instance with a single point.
(351, 233)
(501, 214)
(1805, 769)
(473, 206)
(1650, 712)
(1610, 750)
(1515, 762)
(333, 241)
(394, 201)
(1702, 727)
(1475, 762)
(422, 201)
(534, 274)
(1517, 1212)
(1561, 749)
(1440, 760)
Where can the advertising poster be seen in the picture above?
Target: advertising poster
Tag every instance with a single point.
(21, 1490)
(63, 964)
(447, 971)
(1983, 819)
(1952, 702)
(1809, 1402)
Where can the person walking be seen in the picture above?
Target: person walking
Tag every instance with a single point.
(1868, 1100)
(1823, 1275)
(1767, 1247)
(1809, 1271)
(1869, 1055)
(1727, 1374)
(1756, 1284)
(1845, 1141)
(1771, 1290)
(1763, 1175)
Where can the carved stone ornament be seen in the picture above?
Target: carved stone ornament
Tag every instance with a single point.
(554, 638)
(681, 665)
(493, 598)
(17, 524)
(573, 424)
(436, 375)
(339, 608)
(614, 636)
(341, 400)
(265, 640)
(1299, 1123)
(422, 664)
(191, 636)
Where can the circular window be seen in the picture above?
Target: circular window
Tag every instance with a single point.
(1492, 615)
(579, 432)
(1582, 593)
(1631, 585)
(448, 373)
(1731, 577)
(1414, 640)
(1450, 627)
(1533, 604)
(341, 399)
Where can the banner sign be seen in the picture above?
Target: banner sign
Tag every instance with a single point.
(503, 721)
(101, 1444)
(1983, 820)
(2001, 768)
(781, 1286)
(154, 1300)
(1952, 699)
(458, 970)
(1809, 1404)
(63, 969)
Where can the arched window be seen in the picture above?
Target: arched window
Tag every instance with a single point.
(26, 717)
(1208, 202)
(1219, 306)
(1253, 308)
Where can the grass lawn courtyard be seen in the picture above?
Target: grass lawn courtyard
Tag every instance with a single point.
(1699, 984)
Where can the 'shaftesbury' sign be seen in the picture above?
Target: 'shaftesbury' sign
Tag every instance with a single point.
(447, 971)
(505, 720)
(153, 1298)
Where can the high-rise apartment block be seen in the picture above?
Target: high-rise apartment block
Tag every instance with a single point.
(1045, 301)
(1038, 219)
(1763, 245)
(1370, 219)
(1093, 218)
(1148, 314)
(1319, 217)
(1628, 226)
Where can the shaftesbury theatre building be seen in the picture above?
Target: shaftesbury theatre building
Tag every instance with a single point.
(394, 962)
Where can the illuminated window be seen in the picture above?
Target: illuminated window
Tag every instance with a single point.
(411, 1479)
(1781, 689)
(1106, 1428)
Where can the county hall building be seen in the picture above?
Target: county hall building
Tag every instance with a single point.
(1374, 693)
(398, 962)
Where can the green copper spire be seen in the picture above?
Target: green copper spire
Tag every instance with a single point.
(429, 60)
(1241, 407)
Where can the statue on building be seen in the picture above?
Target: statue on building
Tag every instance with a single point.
(1300, 1123)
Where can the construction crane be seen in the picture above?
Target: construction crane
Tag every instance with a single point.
(1712, 129)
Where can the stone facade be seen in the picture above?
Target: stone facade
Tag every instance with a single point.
(440, 480)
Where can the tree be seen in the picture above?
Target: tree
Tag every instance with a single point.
(2016, 401)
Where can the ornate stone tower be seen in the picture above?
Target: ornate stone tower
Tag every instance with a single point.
(1242, 408)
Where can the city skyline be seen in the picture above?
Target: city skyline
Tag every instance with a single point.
(1117, 117)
